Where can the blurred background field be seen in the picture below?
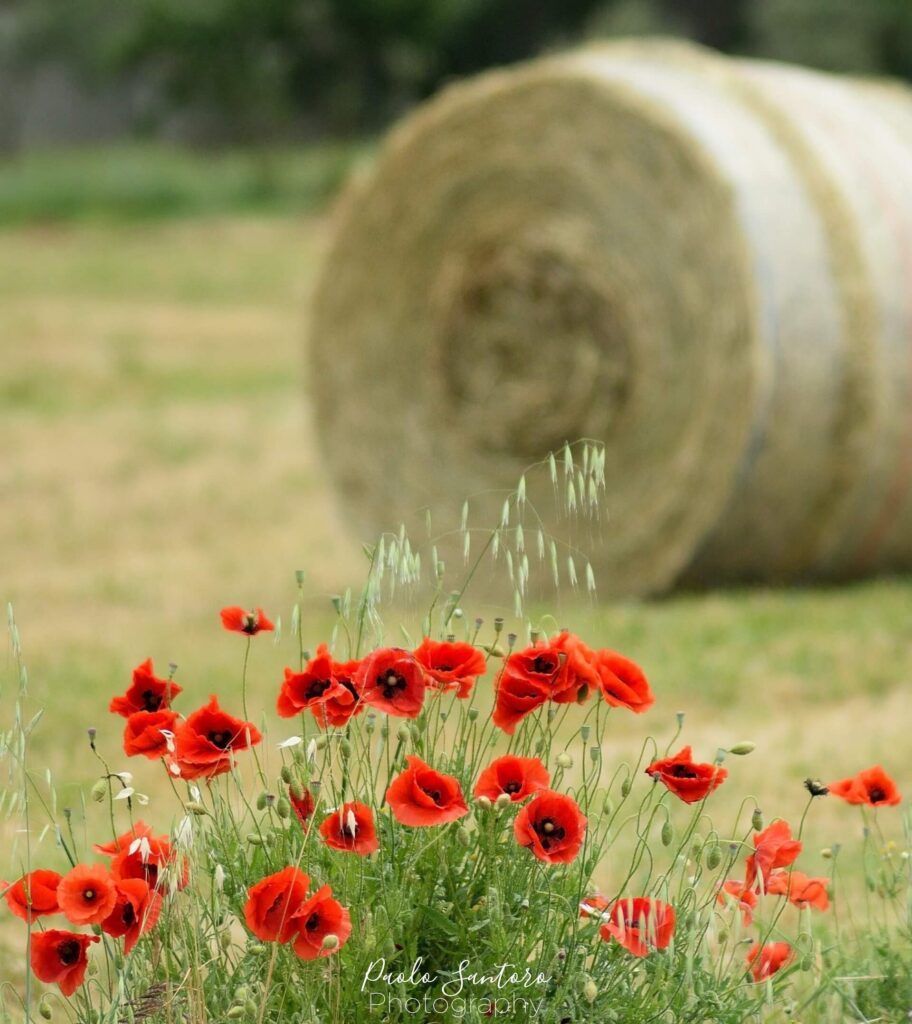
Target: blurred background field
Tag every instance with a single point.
(158, 452)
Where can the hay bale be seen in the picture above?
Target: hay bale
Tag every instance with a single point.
(698, 261)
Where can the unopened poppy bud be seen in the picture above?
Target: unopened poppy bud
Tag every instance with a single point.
(93, 968)
(484, 802)
(757, 820)
(195, 808)
(826, 853)
(626, 786)
(403, 734)
(384, 729)
(236, 1012)
(472, 714)
(44, 1008)
(250, 1007)
(283, 807)
(463, 836)
(552, 714)
(261, 801)
(286, 774)
(722, 935)
(415, 732)
(540, 745)
(590, 991)
(320, 741)
(254, 840)
(714, 857)
(742, 748)
(667, 833)
(607, 806)
(807, 962)
(99, 791)
(585, 732)
(299, 756)
(369, 726)
(241, 995)
(296, 790)
(503, 801)
(256, 948)
(330, 941)
(564, 760)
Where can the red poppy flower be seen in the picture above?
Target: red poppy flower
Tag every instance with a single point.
(872, 787)
(593, 906)
(122, 842)
(337, 710)
(622, 682)
(135, 912)
(147, 857)
(303, 806)
(737, 892)
(87, 894)
(552, 826)
(580, 675)
(517, 696)
(688, 780)
(240, 620)
(451, 665)
(146, 693)
(143, 733)
(640, 925)
(34, 895)
(392, 680)
(774, 847)
(764, 961)
(801, 890)
(312, 687)
(317, 918)
(518, 777)
(421, 796)
(61, 957)
(205, 741)
(272, 902)
(350, 828)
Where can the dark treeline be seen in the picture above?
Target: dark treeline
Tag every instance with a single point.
(268, 67)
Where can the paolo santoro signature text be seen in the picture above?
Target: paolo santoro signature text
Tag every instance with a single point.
(499, 976)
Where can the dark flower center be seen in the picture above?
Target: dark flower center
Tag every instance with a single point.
(876, 794)
(317, 688)
(68, 952)
(313, 922)
(434, 794)
(548, 832)
(512, 787)
(250, 623)
(544, 665)
(89, 895)
(681, 771)
(391, 683)
(220, 738)
(151, 700)
(444, 668)
(128, 915)
(350, 686)
(349, 831)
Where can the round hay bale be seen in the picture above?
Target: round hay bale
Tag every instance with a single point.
(697, 261)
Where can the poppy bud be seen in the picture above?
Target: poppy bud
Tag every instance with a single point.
(404, 734)
(414, 730)
(740, 749)
(472, 714)
(299, 756)
(195, 808)
(484, 803)
(495, 650)
(256, 948)
(607, 806)
(283, 807)
(296, 790)
(254, 840)
(299, 577)
(330, 941)
(585, 730)
(44, 1008)
(564, 760)
(285, 774)
(807, 962)
(714, 857)
(667, 833)
(369, 726)
(235, 1013)
(261, 802)
(463, 836)
(502, 801)
(590, 991)
(251, 1008)
(241, 995)
(757, 820)
(444, 716)
(722, 935)
(345, 746)
(320, 741)
(552, 714)
(99, 791)
(626, 786)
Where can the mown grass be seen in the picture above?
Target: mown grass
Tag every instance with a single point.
(153, 180)
(159, 462)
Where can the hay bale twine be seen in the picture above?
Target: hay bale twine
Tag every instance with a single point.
(704, 263)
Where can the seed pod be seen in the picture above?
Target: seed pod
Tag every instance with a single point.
(472, 714)
(667, 833)
(585, 731)
(757, 820)
(99, 791)
(283, 807)
(286, 774)
(595, 754)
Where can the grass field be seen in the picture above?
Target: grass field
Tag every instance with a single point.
(159, 462)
